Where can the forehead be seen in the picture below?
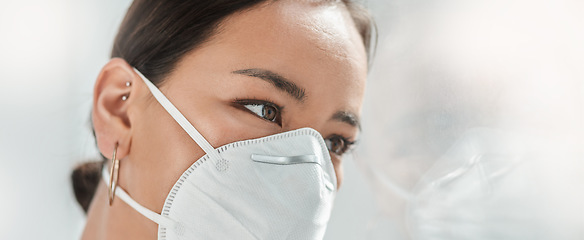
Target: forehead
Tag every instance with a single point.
(316, 45)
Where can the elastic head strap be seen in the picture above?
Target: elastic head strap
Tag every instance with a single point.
(180, 119)
(155, 217)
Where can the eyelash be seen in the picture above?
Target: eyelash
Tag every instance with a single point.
(348, 145)
(241, 103)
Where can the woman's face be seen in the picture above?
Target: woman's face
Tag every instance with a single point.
(230, 90)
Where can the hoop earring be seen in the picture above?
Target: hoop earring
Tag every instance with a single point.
(114, 171)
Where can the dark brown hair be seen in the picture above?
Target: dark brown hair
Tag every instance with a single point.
(155, 35)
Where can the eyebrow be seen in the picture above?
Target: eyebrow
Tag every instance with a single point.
(296, 92)
(277, 80)
(347, 117)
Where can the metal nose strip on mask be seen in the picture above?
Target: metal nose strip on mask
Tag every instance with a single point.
(180, 119)
(282, 160)
(289, 160)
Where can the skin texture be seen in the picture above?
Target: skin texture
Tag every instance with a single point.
(315, 46)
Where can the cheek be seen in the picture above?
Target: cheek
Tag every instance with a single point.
(338, 166)
(160, 152)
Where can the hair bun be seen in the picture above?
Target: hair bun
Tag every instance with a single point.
(85, 180)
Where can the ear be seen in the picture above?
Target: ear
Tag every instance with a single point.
(111, 98)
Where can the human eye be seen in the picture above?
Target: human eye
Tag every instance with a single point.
(338, 144)
(263, 109)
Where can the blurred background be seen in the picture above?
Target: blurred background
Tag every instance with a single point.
(473, 120)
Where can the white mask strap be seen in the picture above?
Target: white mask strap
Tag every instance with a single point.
(180, 119)
(155, 217)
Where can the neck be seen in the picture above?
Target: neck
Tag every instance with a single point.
(118, 221)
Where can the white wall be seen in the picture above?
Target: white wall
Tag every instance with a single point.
(50, 54)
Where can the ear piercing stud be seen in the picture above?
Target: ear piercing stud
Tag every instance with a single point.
(125, 97)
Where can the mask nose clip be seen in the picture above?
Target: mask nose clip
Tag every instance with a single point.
(290, 160)
(285, 160)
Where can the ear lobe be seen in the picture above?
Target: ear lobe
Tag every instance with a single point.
(111, 98)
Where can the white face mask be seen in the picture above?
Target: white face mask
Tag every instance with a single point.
(276, 187)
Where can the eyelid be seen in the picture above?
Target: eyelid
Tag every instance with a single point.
(257, 102)
(239, 103)
(343, 137)
(349, 145)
